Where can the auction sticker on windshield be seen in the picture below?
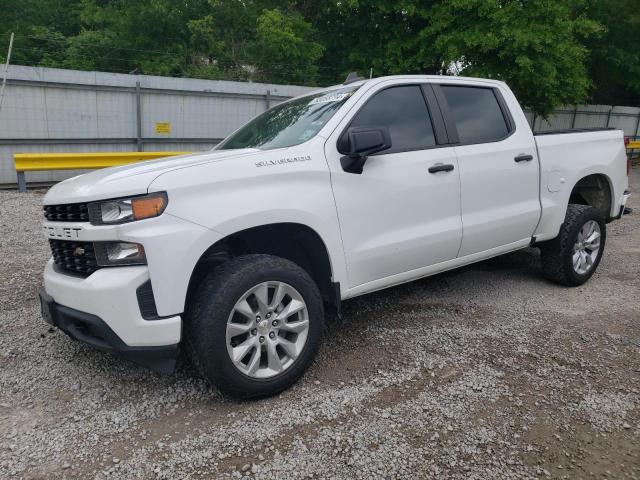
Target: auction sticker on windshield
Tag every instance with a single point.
(331, 97)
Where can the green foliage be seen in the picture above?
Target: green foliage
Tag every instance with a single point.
(535, 46)
(91, 50)
(134, 35)
(41, 28)
(283, 49)
(222, 37)
(36, 47)
(614, 62)
(551, 52)
(249, 41)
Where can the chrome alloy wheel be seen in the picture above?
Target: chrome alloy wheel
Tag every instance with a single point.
(267, 329)
(587, 247)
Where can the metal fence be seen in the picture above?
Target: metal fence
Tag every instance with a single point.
(590, 116)
(53, 110)
(626, 119)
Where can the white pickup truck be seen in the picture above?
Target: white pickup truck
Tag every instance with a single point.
(235, 254)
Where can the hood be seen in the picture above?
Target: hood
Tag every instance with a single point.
(132, 179)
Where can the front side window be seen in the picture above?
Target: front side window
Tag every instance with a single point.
(290, 123)
(476, 113)
(404, 112)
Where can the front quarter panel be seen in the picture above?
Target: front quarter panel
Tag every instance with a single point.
(290, 185)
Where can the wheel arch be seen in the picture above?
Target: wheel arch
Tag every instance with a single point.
(296, 242)
(595, 190)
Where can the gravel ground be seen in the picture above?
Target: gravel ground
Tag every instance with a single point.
(484, 372)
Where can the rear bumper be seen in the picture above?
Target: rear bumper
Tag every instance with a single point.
(92, 330)
(623, 204)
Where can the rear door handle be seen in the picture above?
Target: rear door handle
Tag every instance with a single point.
(441, 167)
(523, 158)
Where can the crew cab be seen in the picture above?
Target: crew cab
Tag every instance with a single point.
(237, 254)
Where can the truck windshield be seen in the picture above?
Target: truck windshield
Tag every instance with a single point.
(289, 123)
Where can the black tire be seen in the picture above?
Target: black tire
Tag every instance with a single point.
(557, 263)
(212, 302)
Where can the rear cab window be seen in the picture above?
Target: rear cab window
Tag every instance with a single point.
(476, 113)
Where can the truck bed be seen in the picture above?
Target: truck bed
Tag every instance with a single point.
(562, 131)
(566, 156)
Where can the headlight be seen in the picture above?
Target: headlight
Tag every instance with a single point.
(123, 210)
(111, 254)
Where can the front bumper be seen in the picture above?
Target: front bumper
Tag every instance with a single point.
(110, 294)
(94, 331)
(135, 319)
(173, 247)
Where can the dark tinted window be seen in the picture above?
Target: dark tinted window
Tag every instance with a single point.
(404, 111)
(477, 114)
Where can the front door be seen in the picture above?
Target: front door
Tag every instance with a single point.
(397, 216)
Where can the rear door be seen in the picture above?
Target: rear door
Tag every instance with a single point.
(499, 168)
(396, 216)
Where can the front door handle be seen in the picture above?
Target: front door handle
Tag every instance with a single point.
(441, 167)
(523, 158)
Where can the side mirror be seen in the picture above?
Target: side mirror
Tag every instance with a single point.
(358, 143)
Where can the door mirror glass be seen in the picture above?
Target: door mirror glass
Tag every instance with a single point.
(358, 143)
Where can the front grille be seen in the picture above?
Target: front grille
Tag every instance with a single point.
(74, 257)
(71, 212)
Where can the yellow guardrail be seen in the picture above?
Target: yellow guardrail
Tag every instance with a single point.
(33, 162)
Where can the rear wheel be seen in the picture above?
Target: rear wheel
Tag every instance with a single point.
(573, 256)
(255, 325)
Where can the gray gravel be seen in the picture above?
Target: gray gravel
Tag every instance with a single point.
(484, 372)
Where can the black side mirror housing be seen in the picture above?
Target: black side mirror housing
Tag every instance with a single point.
(358, 143)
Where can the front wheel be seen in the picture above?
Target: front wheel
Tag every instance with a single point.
(573, 256)
(254, 326)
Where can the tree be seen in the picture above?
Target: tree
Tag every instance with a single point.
(41, 28)
(614, 60)
(221, 37)
(537, 46)
(283, 49)
(249, 40)
(148, 36)
(551, 52)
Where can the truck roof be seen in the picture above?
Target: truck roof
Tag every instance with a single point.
(437, 78)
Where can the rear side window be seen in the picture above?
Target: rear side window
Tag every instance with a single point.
(476, 113)
(404, 111)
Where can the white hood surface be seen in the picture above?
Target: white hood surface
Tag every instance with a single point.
(132, 179)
